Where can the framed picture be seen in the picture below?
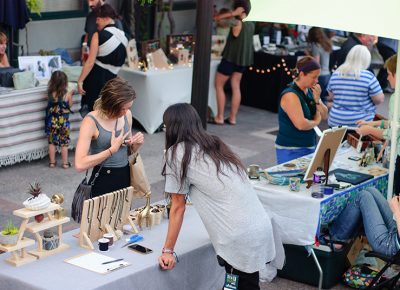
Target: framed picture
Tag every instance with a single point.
(41, 66)
(218, 43)
(180, 41)
(150, 46)
(157, 59)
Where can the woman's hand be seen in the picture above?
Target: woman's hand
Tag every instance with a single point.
(316, 90)
(116, 142)
(363, 130)
(136, 141)
(238, 11)
(81, 91)
(394, 204)
(167, 261)
(363, 123)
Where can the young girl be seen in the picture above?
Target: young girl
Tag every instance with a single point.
(57, 125)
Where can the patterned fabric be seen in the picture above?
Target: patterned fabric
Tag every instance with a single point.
(359, 276)
(57, 125)
(332, 207)
(352, 98)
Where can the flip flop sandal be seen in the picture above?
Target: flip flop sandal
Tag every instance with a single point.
(212, 121)
(227, 121)
(66, 165)
(52, 164)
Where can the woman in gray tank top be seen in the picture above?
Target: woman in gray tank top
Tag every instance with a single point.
(103, 136)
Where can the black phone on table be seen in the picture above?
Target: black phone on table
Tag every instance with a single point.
(140, 249)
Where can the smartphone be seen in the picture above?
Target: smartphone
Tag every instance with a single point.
(354, 158)
(140, 249)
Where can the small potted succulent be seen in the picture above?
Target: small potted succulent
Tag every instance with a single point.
(156, 215)
(9, 234)
(38, 200)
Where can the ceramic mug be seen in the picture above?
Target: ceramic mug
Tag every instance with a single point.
(253, 171)
(103, 244)
(110, 238)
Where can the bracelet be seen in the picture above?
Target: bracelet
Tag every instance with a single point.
(167, 250)
(110, 152)
(382, 126)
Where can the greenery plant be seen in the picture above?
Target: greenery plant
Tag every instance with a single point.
(35, 6)
(35, 189)
(10, 229)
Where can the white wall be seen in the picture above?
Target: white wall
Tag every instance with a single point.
(52, 34)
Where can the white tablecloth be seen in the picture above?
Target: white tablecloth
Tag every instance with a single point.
(156, 90)
(297, 213)
(197, 268)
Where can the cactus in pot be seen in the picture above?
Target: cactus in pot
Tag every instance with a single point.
(38, 200)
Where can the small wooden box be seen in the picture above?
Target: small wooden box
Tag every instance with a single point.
(353, 139)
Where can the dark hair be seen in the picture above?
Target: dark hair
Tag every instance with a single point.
(106, 10)
(183, 125)
(391, 64)
(245, 4)
(317, 35)
(113, 96)
(58, 84)
(306, 65)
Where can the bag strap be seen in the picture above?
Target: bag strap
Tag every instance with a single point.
(102, 163)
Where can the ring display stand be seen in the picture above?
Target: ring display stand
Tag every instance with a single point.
(105, 214)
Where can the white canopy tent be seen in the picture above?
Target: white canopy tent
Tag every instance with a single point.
(362, 16)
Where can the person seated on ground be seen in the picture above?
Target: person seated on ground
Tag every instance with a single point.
(355, 91)
(381, 129)
(204, 168)
(380, 219)
(353, 40)
(3, 46)
(300, 110)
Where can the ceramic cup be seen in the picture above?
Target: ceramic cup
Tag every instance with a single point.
(110, 238)
(253, 171)
(103, 244)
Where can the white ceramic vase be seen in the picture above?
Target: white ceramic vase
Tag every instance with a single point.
(42, 201)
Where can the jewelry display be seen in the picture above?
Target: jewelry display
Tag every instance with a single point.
(99, 218)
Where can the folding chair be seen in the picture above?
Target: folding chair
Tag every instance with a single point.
(378, 282)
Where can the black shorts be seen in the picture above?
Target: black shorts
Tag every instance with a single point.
(228, 68)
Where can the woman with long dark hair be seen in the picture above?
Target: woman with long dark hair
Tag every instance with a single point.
(202, 166)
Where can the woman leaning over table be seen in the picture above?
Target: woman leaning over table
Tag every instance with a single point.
(202, 166)
(381, 129)
(300, 110)
(102, 135)
(106, 56)
(3, 55)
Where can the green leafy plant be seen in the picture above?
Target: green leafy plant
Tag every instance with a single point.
(10, 229)
(143, 2)
(35, 6)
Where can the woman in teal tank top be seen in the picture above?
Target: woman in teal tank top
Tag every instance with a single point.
(300, 110)
(102, 136)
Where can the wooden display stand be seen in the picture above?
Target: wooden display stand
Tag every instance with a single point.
(19, 256)
(105, 214)
(49, 222)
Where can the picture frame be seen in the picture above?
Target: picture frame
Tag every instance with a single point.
(218, 43)
(180, 41)
(149, 46)
(41, 66)
(132, 54)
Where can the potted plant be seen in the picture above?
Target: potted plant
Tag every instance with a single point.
(38, 200)
(9, 234)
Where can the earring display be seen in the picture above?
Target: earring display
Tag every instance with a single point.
(105, 214)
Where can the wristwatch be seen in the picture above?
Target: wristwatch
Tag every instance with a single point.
(319, 102)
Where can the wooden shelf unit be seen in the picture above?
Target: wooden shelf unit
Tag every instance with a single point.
(19, 255)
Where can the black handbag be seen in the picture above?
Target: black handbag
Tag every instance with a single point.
(82, 193)
(6, 76)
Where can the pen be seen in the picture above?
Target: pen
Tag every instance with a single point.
(117, 260)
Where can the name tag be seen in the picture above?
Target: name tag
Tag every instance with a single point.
(231, 282)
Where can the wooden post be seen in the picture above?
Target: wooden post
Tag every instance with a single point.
(202, 57)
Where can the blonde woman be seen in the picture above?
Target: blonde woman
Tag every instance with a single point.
(102, 135)
(3, 55)
(355, 90)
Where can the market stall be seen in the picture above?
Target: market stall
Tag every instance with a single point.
(22, 114)
(197, 267)
(157, 89)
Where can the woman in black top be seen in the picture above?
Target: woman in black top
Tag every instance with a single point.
(106, 56)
